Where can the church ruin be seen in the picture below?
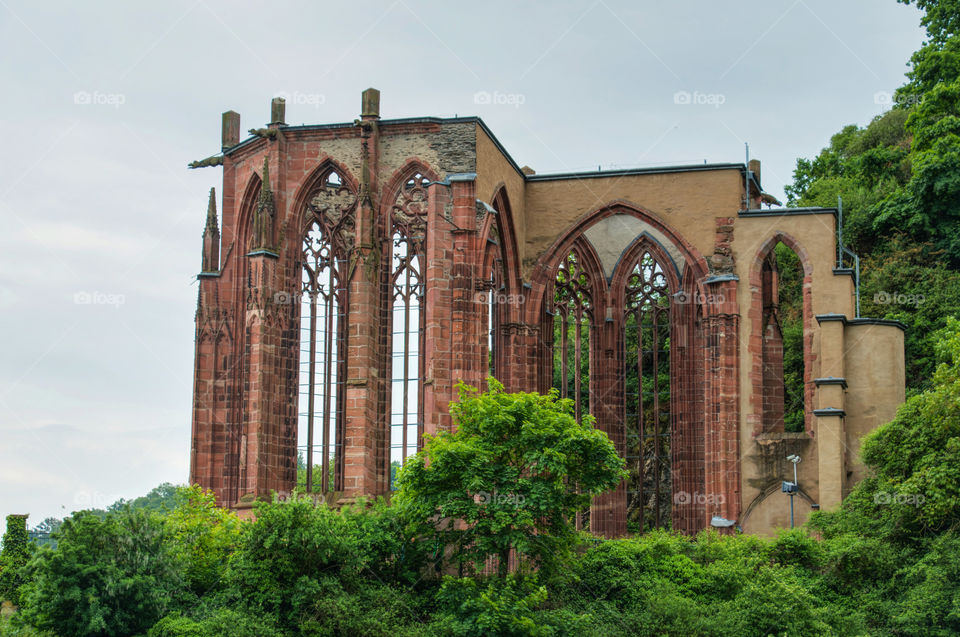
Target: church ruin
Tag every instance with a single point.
(360, 270)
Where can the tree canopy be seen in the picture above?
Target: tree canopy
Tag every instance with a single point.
(511, 477)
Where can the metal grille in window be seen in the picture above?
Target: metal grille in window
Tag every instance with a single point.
(572, 305)
(408, 240)
(322, 364)
(647, 377)
(495, 296)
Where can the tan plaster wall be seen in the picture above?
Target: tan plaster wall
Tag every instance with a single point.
(875, 384)
(686, 202)
(764, 466)
(772, 512)
(830, 293)
(494, 169)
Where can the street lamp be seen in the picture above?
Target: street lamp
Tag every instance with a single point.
(790, 488)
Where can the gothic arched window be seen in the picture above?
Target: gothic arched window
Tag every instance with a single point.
(493, 284)
(782, 341)
(572, 307)
(407, 295)
(647, 392)
(323, 332)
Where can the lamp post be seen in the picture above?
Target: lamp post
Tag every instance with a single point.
(790, 488)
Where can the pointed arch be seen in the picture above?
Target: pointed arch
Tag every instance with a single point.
(576, 294)
(645, 269)
(394, 188)
(248, 202)
(323, 328)
(404, 219)
(644, 289)
(319, 179)
(498, 277)
(541, 270)
(325, 223)
(508, 237)
(768, 347)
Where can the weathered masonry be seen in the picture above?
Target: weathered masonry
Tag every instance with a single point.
(360, 270)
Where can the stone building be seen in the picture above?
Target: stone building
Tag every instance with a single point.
(359, 270)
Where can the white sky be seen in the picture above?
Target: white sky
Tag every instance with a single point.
(95, 197)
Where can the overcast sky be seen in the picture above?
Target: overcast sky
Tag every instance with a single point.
(103, 104)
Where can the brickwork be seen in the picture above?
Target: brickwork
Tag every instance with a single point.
(247, 361)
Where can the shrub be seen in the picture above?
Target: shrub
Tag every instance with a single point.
(110, 576)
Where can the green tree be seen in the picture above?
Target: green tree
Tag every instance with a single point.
(941, 19)
(202, 536)
(162, 498)
(900, 182)
(512, 476)
(110, 576)
(325, 572)
(317, 474)
(13, 557)
(917, 455)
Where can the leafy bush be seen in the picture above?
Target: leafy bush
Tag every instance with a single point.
(222, 623)
(112, 576)
(202, 537)
(510, 478)
(474, 608)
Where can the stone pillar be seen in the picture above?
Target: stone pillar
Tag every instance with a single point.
(278, 111)
(230, 130)
(829, 413)
(438, 319)
(687, 362)
(469, 364)
(269, 441)
(206, 438)
(213, 441)
(608, 512)
(366, 457)
(521, 360)
(721, 399)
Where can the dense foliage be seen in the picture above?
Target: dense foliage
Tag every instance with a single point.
(899, 178)
(886, 563)
(511, 478)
